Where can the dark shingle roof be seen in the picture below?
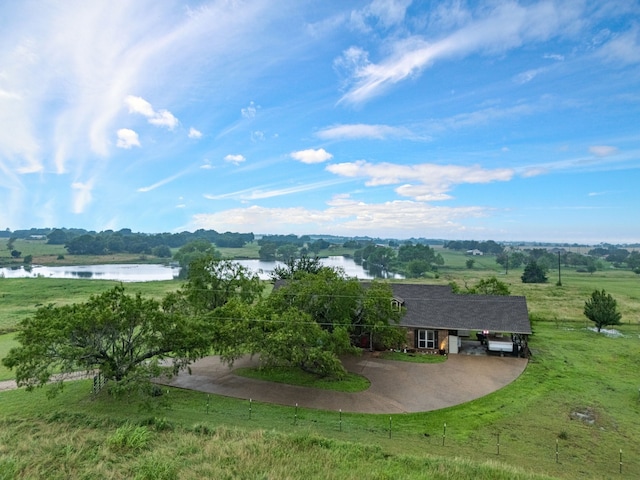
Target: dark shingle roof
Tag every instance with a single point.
(437, 307)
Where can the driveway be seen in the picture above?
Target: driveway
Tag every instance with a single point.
(396, 387)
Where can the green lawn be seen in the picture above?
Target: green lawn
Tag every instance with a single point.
(295, 376)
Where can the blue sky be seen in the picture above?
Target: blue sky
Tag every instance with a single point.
(498, 120)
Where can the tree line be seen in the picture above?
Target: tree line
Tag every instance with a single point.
(125, 241)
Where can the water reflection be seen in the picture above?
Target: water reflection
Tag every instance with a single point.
(151, 272)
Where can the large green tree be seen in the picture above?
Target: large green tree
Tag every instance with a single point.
(211, 283)
(119, 335)
(334, 308)
(534, 273)
(293, 338)
(291, 268)
(192, 251)
(602, 309)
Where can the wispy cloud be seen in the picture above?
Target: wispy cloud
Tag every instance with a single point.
(127, 138)
(624, 48)
(361, 130)
(81, 195)
(526, 77)
(164, 181)
(553, 56)
(312, 156)
(506, 26)
(194, 133)
(258, 193)
(603, 150)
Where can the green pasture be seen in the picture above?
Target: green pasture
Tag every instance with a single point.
(579, 390)
(580, 394)
(20, 297)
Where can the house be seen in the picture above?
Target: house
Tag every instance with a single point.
(474, 252)
(436, 319)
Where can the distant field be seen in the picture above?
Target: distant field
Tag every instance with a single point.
(20, 297)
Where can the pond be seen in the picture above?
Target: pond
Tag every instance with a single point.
(154, 272)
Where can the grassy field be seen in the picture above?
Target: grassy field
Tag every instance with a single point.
(20, 297)
(579, 394)
(580, 389)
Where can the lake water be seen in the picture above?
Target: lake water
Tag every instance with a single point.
(152, 272)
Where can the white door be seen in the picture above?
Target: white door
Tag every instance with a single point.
(453, 344)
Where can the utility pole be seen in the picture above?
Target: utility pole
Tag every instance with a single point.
(559, 274)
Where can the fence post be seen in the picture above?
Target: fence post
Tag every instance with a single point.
(340, 419)
(557, 453)
(444, 433)
(620, 460)
(249, 409)
(498, 443)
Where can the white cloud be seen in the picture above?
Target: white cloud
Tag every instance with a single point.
(235, 159)
(127, 138)
(603, 150)
(398, 218)
(193, 133)
(553, 56)
(361, 130)
(498, 29)
(160, 118)
(164, 118)
(312, 156)
(430, 181)
(139, 105)
(250, 111)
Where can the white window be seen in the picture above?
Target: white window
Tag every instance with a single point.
(427, 339)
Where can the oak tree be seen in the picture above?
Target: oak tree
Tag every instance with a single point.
(118, 335)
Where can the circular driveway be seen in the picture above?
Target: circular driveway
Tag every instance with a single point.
(396, 387)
